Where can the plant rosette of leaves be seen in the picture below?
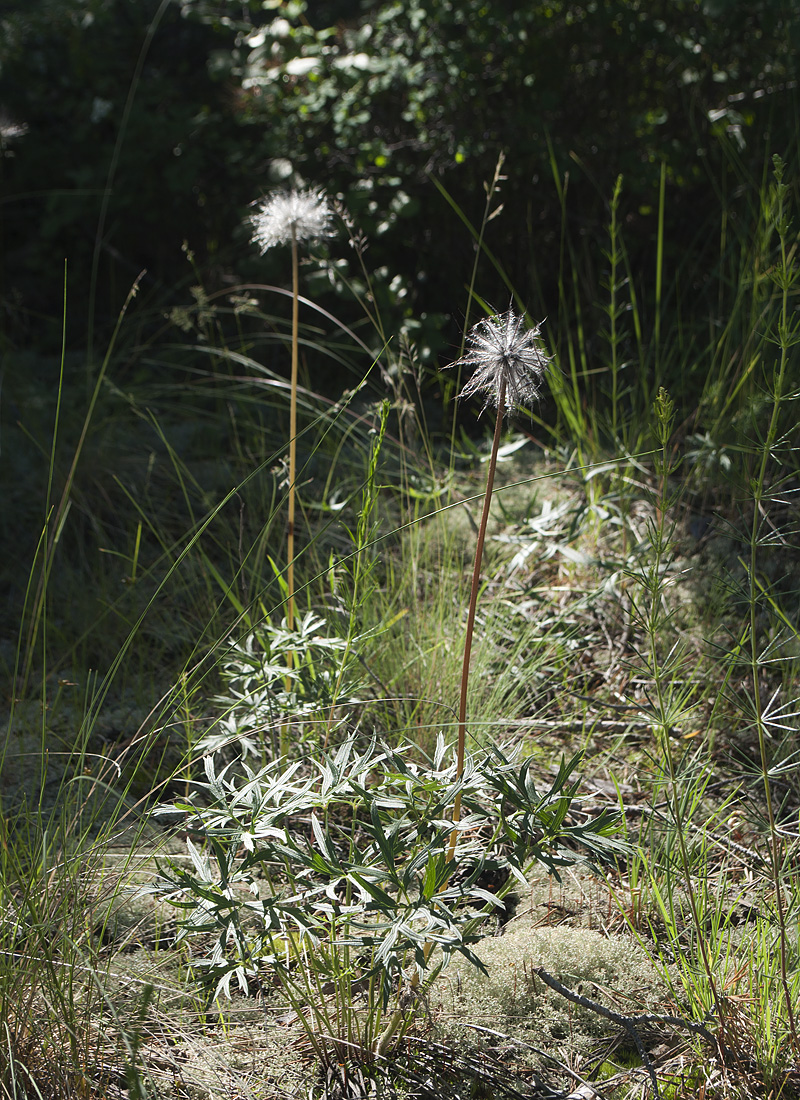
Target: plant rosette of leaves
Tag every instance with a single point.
(337, 870)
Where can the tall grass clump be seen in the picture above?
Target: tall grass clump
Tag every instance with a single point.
(763, 662)
(664, 662)
(768, 482)
(692, 881)
(182, 593)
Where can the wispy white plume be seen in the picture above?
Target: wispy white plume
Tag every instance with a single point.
(503, 349)
(304, 215)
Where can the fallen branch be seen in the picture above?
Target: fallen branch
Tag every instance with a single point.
(630, 1023)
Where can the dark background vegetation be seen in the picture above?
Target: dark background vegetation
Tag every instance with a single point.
(177, 115)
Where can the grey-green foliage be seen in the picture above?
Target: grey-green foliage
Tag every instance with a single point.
(273, 675)
(337, 871)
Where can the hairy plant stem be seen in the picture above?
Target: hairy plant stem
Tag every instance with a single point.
(473, 603)
(614, 309)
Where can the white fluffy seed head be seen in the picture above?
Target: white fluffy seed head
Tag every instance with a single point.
(304, 215)
(503, 349)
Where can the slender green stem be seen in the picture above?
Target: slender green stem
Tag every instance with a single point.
(659, 268)
(613, 310)
(662, 675)
(755, 658)
(360, 566)
(473, 603)
(59, 513)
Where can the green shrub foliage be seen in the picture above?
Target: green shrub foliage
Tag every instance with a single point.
(228, 99)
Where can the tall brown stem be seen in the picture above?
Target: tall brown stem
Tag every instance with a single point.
(473, 603)
(397, 1016)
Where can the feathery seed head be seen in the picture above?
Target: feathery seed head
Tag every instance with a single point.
(503, 349)
(306, 215)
